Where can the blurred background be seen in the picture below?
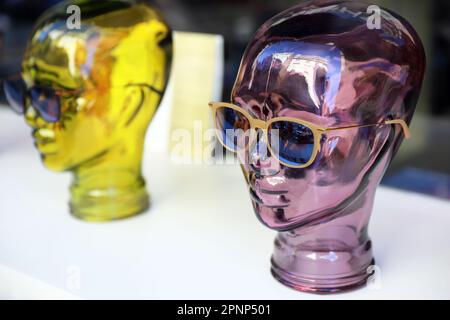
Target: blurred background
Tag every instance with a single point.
(423, 164)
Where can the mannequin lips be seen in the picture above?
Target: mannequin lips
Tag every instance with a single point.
(269, 198)
(45, 141)
(44, 136)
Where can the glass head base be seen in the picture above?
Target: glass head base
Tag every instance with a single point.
(322, 284)
(108, 205)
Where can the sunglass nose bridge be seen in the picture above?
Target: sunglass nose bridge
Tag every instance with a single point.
(260, 124)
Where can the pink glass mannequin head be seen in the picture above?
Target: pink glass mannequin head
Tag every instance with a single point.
(322, 63)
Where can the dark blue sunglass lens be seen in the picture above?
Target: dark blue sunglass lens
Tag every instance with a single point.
(46, 102)
(232, 126)
(291, 142)
(15, 93)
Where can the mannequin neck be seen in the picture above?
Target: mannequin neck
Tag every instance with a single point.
(110, 186)
(330, 256)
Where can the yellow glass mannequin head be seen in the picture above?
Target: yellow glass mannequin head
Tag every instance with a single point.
(92, 94)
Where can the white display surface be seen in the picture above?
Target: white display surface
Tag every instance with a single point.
(199, 240)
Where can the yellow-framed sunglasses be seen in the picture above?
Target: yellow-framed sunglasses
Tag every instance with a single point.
(298, 141)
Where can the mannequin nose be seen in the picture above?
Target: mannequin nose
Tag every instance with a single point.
(260, 159)
(30, 116)
(33, 119)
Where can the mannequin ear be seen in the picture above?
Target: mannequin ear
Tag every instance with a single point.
(132, 104)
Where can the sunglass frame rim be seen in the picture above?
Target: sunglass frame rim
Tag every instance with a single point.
(317, 131)
(265, 125)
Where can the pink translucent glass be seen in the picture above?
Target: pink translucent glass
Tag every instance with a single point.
(320, 62)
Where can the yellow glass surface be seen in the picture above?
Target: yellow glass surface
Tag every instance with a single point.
(110, 76)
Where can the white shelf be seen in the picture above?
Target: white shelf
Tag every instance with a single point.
(200, 239)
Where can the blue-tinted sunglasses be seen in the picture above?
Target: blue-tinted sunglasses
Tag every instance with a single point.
(294, 142)
(43, 99)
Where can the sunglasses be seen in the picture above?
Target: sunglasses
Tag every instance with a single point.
(293, 142)
(46, 100)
